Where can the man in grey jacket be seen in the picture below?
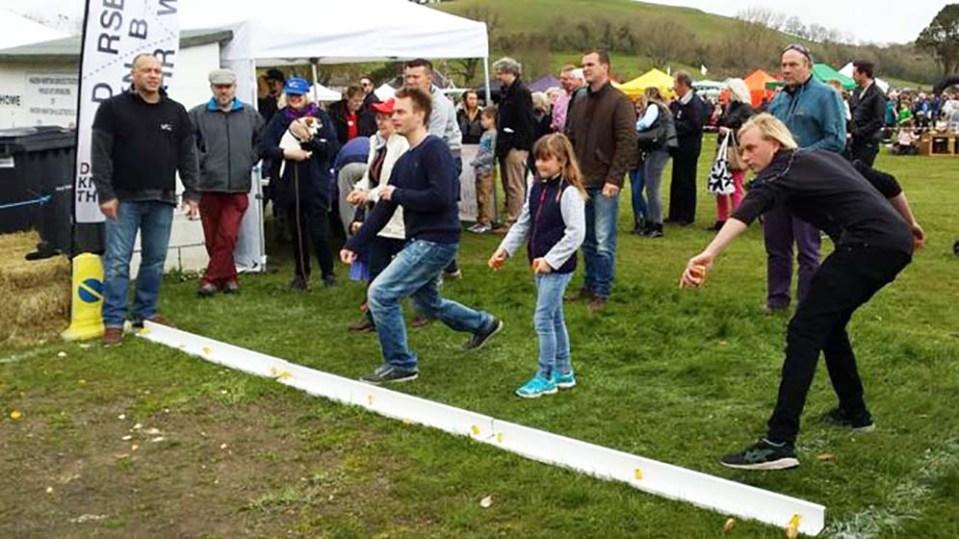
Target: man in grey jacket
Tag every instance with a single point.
(227, 134)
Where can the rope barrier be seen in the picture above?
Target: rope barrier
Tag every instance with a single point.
(40, 201)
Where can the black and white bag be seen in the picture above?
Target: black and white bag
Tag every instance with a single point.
(720, 175)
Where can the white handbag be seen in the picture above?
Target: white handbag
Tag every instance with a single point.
(720, 175)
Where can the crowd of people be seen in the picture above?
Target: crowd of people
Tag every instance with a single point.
(385, 175)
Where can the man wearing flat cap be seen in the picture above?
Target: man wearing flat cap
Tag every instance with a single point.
(227, 135)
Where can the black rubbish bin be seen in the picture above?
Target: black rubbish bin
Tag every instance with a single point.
(36, 184)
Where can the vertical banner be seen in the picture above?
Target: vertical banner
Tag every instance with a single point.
(114, 33)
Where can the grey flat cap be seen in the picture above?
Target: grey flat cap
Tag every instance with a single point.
(222, 76)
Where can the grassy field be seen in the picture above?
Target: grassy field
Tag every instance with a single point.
(142, 441)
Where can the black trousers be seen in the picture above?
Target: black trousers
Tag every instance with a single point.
(309, 225)
(682, 189)
(848, 278)
(864, 150)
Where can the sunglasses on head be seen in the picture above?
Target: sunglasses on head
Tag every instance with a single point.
(801, 49)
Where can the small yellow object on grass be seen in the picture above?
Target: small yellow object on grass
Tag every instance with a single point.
(16, 414)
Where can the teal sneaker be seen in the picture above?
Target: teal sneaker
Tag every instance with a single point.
(564, 381)
(537, 387)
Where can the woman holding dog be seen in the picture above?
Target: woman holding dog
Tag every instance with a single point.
(867, 216)
(303, 191)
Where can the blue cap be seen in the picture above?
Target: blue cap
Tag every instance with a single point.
(296, 86)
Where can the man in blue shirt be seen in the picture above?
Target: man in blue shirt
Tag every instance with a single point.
(815, 116)
(425, 183)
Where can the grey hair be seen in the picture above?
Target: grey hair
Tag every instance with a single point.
(540, 101)
(578, 74)
(508, 65)
(738, 91)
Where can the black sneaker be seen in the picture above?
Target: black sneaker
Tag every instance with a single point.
(479, 340)
(763, 455)
(838, 417)
(387, 373)
(298, 284)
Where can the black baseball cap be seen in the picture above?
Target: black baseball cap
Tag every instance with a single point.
(275, 74)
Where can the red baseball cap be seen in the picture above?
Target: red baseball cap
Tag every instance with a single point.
(385, 107)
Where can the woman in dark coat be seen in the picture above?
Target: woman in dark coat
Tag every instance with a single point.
(737, 112)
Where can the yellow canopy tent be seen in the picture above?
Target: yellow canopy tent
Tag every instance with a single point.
(653, 77)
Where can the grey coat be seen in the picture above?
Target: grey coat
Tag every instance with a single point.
(226, 144)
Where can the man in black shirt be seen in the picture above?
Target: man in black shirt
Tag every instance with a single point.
(868, 114)
(141, 139)
(867, 216)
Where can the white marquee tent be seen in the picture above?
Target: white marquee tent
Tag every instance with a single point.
(329, 32)
(847, 71)
(16, 30)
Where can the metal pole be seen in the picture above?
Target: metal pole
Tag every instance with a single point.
(313, 62)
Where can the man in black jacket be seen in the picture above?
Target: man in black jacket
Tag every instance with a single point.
(868, 114)
(514, 139)
(141, 139)
(688, 114)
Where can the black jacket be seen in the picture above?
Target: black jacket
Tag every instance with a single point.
(689, 122)
(515, 119)
(472, 130)
(868, 114)
(366, 122)
(735, 116)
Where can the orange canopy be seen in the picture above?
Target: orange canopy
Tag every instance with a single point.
(756, 81)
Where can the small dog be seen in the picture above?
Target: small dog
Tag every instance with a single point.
(300, 130)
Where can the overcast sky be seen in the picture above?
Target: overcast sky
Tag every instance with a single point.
(870, 20)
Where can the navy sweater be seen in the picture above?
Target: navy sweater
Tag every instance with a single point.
(428, 189)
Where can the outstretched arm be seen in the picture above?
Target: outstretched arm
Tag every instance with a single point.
(693, 274)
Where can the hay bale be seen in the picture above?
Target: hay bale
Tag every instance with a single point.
(41, 292)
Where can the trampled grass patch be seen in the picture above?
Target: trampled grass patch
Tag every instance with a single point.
(678, 376)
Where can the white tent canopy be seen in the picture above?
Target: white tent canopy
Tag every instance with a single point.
(322, 93)
(847, 71)
(384, 92)
(16, 30)
(337, 31)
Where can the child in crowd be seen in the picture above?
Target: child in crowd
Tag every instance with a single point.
(483, 167)
(905, 141)
(553, 220)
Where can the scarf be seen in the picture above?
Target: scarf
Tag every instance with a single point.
(290, 114)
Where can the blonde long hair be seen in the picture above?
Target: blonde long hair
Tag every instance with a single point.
(558, 146)
(770, 128)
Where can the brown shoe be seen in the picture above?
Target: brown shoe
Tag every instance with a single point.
(597, 304)
(580, 295)
(231, 287)
(156, 319)
(112, 336)
(421, 321)
(363, 325)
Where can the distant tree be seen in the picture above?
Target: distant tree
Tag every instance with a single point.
(664, 40)
(941, 38)
(468, 69)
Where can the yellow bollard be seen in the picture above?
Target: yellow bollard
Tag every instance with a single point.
(86, 321)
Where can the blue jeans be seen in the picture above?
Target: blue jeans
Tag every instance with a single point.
(153, 220)
(599, 248)
(550, 326)
(415, 272)
(636, 182)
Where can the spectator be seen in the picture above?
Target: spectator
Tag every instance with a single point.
(869, 111)
(814, 114)
(640, 210)
(268, 102)
(906, 139)
(654, 146)
(350, 119)
(603, 129)
(483, 170)
(425, 184)
(515, 129)
(369, 97)
(386, 147)
(571, 79)
(688, 112)
(304, 190)
(141, 140)
(227, 133)
(349, 168)
(737, 112)
(469, 118)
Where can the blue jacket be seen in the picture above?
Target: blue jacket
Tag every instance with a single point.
(814, 114)
(314, 175)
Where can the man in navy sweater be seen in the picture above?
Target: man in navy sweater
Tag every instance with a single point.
(425, 183)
